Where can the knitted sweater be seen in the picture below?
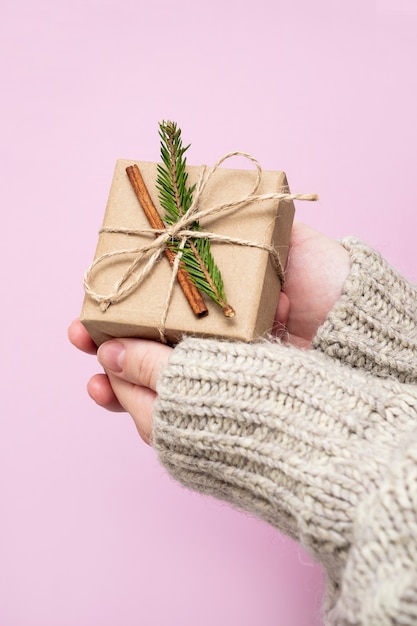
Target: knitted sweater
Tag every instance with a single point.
(321, 443)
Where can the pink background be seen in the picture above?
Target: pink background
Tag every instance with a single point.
(92, 531)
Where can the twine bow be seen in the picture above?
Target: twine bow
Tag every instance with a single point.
(181, 231)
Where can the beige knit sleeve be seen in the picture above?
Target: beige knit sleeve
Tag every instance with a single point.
(293, 436)
(373, 326)
(320, 443)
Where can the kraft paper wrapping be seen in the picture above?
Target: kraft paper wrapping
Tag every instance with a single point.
(251, 282)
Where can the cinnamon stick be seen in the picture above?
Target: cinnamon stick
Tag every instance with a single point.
(191, 292)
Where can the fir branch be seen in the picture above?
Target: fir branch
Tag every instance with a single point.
(176, 198)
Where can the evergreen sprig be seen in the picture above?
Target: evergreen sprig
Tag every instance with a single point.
(176, 198)
(174, 194)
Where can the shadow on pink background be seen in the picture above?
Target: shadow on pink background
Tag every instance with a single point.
(92, 531)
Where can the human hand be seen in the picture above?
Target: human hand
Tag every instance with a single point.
(317, 269)
(132, 367)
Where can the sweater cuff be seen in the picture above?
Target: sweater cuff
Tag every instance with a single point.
(373, 325)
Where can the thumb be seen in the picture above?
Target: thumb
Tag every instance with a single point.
(137, 361)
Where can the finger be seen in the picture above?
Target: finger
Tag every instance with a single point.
(100, 390)
(281, 316)
(283, 309)
(136, 400)
(138, 361)
(80, 338)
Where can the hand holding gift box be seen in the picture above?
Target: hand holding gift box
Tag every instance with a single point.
(243, 218)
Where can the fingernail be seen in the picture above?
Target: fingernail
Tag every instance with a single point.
(111, 355)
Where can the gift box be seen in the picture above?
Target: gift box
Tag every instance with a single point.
(252, 282)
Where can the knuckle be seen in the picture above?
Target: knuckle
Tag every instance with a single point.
(141, 366)
(146, 367)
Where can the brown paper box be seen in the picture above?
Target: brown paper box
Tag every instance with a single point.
(251, 284)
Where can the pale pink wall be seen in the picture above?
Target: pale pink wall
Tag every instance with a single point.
(92, 532)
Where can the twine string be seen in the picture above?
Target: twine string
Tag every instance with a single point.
(181, 230)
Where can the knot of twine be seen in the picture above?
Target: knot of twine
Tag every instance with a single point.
(181, 231)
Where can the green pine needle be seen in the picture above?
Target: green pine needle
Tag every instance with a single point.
(176, 198)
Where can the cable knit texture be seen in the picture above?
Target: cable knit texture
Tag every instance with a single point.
(320, 443)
